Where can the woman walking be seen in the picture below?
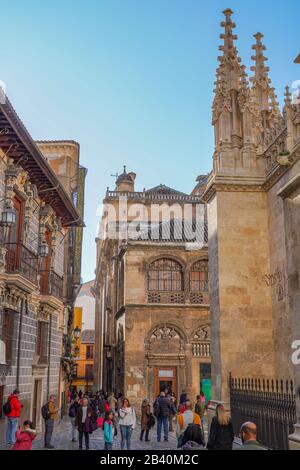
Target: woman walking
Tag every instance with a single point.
(221, 434)
(84, 423)
(127, 423)
(145, 425)
(72, 415)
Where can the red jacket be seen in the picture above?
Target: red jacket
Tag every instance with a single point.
(15, 405)
(23, 440)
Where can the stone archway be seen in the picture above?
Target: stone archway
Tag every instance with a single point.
(166, 356)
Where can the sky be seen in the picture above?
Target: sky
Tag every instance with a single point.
(132, 81)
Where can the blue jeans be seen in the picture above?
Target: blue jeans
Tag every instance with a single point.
(12, 427)
(126, 432)
(163, 421)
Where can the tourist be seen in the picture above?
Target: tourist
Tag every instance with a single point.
(101, 406)
(127, 423)
(25, 437)
(200, 409)
(12, 410)
(184, 420)
(109, 430)
(192, 438)
(72, 415)
(162, 411)
(119, 402)
(49, 412)
(248, 435)
(112, 402)
(145, 424)
(221, 434)
(84, 423)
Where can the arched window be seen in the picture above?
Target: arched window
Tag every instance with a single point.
(165, 275)
(199, 276)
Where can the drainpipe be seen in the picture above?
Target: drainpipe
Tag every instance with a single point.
(49, 357)
(19, 343)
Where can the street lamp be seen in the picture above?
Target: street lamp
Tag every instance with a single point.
(8, 217)
(44, 249)
(77, 332)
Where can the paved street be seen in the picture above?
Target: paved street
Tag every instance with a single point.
(62, 440)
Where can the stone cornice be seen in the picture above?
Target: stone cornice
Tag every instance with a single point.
(250, 184)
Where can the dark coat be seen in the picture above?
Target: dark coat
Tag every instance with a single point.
(163, 407)
(220, 437)
(88, 426)
(145, 417)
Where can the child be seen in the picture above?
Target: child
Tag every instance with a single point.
(109, 430)
(24, 438)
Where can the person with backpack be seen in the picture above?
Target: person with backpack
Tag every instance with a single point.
(72, 415)
(109, 430)
(25, 437)
(184, 420)
(162, 409)
(49, 412)
(12, 410)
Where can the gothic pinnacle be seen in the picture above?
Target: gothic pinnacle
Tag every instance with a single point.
(288, 96)
(259, 68)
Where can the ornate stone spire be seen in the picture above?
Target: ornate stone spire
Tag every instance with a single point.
(265, 93)
(288, 96)
(230, 61)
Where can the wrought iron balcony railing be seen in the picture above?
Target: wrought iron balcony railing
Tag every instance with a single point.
(51, 284)
(19, 259)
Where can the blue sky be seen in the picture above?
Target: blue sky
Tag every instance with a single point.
(132, 81)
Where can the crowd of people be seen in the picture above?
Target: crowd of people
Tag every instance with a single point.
(89, 412)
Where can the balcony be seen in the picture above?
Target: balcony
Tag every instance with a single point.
(202, 349)
(20, 260)
(51, 284)
(178, 297)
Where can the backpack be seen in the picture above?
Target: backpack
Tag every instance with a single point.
(72, 411)
(7, 408)
(45, 412)
(151, 421)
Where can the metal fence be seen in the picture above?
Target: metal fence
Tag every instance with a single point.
(271, 404)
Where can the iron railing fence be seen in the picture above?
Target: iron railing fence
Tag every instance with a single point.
(271, 404)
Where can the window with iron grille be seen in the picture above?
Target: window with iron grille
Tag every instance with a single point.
(199, 276)
(42, 342)
(165, 275)
(8, 334)
(89, 352)
(89, 371)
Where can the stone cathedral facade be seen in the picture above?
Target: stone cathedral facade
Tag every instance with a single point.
(253, 207)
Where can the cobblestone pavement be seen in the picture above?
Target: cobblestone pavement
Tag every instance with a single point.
(62, 440)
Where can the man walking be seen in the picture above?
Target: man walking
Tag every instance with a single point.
(162, 411)
(13, 415)
(248, 435)
(49, 412)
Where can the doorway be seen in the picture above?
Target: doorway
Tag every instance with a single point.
(165, 377)
(37, 389)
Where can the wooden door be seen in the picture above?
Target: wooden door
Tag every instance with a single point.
(165, 377)
(36, 402)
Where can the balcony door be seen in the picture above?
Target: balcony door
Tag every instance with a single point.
(46, 266)
(15, 236)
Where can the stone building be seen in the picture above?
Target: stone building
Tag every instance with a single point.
(63, 157)
(151, 289)
(36, 214)
(253, 206)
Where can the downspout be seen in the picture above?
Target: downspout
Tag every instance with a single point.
(49, 356)
(19, 343)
